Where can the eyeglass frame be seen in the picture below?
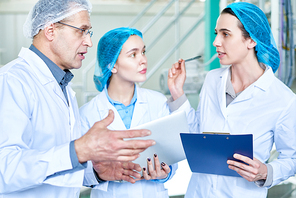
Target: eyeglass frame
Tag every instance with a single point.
(84, 31)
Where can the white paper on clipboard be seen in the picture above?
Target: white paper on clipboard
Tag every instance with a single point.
(166, 132)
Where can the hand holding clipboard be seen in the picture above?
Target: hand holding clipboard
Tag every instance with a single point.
(208, 152)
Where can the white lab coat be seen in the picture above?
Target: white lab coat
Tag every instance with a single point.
(37, 126)
(150, 105)
(266, 109)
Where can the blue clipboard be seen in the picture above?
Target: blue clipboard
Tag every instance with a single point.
(208, 153)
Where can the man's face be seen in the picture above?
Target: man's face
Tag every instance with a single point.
(70, 44)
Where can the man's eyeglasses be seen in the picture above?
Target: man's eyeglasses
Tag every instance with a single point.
(85, 32)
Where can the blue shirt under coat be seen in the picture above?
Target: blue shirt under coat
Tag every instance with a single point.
(125, 112)
(62, 78)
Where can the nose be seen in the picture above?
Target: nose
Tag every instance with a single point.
(144, 59)
(87, 41)
(217, 42)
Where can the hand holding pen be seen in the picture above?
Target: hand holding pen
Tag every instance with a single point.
(177, 77)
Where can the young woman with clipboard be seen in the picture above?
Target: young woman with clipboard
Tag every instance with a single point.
(244, 98)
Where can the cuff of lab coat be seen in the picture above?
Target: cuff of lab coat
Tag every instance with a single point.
(176, 104)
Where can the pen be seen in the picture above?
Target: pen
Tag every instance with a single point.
(196, 57)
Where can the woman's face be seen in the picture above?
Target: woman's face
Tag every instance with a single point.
(131, 65)
(231, 46)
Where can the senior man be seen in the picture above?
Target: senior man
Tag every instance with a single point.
(42, 150)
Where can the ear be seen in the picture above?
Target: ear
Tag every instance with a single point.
(251, 43)
(114, 70)
(49, 32)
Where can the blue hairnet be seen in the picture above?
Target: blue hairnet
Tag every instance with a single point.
(109, 48)
(256, 24)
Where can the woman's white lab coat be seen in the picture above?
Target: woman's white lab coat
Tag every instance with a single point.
(266, 109)
(36, 127)
(150, 105)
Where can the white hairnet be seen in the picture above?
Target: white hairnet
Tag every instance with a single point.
(46, 12)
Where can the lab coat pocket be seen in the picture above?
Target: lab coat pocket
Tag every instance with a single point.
(245, 189)
(162, 194)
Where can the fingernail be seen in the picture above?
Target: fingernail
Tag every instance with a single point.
(144, 169)
(147, 132)
(155, 155)
(153, 143)
(162, 163)
(148, 159)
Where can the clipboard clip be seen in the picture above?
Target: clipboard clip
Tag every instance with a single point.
(216, 133)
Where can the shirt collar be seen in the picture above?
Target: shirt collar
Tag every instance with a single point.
(113, 102)
(62, 77)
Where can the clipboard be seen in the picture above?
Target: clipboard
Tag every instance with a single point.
(166, 132)
(208, 152)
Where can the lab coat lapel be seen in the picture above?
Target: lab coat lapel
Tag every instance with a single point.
(43, 74)
(117, 123)
(242, 102)
(58, 91)
(73, 107)
(221, 87)
(140, 109)
(245, 99)
(247, 94)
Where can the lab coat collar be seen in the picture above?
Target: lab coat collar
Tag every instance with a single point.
(104, 110)
(262, 84)
(246, 95)
(38, 66)
(139, 110)
(42, 72)
(265, 81)
(140, 107)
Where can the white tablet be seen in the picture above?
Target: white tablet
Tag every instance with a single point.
(166, 132)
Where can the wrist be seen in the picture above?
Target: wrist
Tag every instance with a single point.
(81, 155)
(265, 172)
(177, 94)
(100, 180)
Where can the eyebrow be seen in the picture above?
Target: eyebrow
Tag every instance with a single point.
(135, 49)
(85, 27)
(223, 29)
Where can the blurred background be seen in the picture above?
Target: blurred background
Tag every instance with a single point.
(172, 29)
